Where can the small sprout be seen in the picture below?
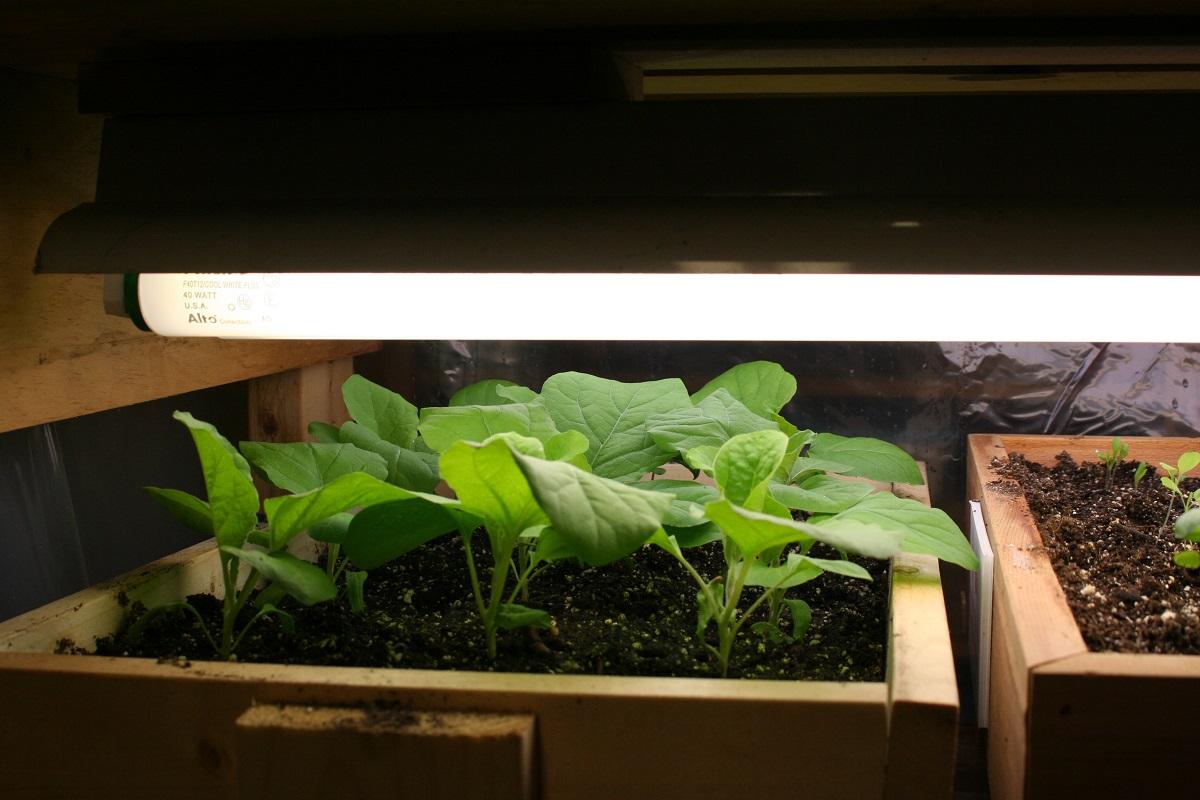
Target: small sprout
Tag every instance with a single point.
(1139, 473)
(1111, 459)
(1173, 479)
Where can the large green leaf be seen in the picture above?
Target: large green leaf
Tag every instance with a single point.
(409, 469)
(569, 446)
(187, 508)
(753, 532)
(795, 571)
(687, 500)
(306, 582)
(821, 494)
(805, 467)
(292, 515)
(924, 529)
(484, 393)
(715, 420)
(442, 427)
(763, 386)
(389, 530)
(867, 458)
(748, 461)
(600, 519)
(490, 485)
(331, 530)
(232, 498)
(383, 411)
(323, 432)
(303, 466)
(613, 415)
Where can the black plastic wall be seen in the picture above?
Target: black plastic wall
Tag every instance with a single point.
(71, 507)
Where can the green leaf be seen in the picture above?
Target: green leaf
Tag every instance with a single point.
(386, 531)
(600, 519)
(867, 458)
(482, 393)
(549, 546)
(840, 567)
(294, 514)
(356, 582)
(232, 498)
(805, 464)
(1188, 462)
(801, 618)
(406, 468)
(381, 410)
(795, 571)
(286, 620)
(687, 500)
(569, 446)
(747, 461)
(332, 530)
(925, 530)
(704, 614)
(517, 394)
(762, 386)
(696, 536)
(701, 458)
(1188, 559)
(442, 427)
(821, 494)
(715, 420)
(323, 432)
(303, 466)
(1188, 526)
(490, 485)
(613, 415)
(511, 615)
(187, 508)
(306, 582)
(753, 532)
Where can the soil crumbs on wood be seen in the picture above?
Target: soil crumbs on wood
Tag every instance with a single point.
(1112, 554)
(635, 617)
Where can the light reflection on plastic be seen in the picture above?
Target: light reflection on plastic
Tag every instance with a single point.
(673, 307)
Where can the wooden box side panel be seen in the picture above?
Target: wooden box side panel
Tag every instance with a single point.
(1113, 725)
(596, 739)
(99, 610)
(1151, 449)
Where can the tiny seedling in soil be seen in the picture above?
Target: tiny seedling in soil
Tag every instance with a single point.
(1112, 458)
(1172, 480)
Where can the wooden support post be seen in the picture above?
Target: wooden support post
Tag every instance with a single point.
(299, 752)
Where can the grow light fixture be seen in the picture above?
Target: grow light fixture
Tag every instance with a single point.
(828, 306)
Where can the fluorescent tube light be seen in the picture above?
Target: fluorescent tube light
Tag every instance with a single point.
(715, 306)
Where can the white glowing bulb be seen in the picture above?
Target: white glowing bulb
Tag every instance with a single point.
(673, 307)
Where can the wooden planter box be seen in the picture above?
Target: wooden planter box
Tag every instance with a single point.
(77, 726)
(1065, 722)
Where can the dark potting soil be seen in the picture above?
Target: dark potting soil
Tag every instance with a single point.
(634, 617)
(1112, 554)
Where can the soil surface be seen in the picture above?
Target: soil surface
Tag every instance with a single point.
(1113, 554)
(634, 617)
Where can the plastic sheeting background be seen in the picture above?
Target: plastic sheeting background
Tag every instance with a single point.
(72, 511)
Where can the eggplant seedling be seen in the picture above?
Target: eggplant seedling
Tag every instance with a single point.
(1187, 528)
(1173, 480)
(230, 515)
(506, 485)
(753, 542)
(1112, 458)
